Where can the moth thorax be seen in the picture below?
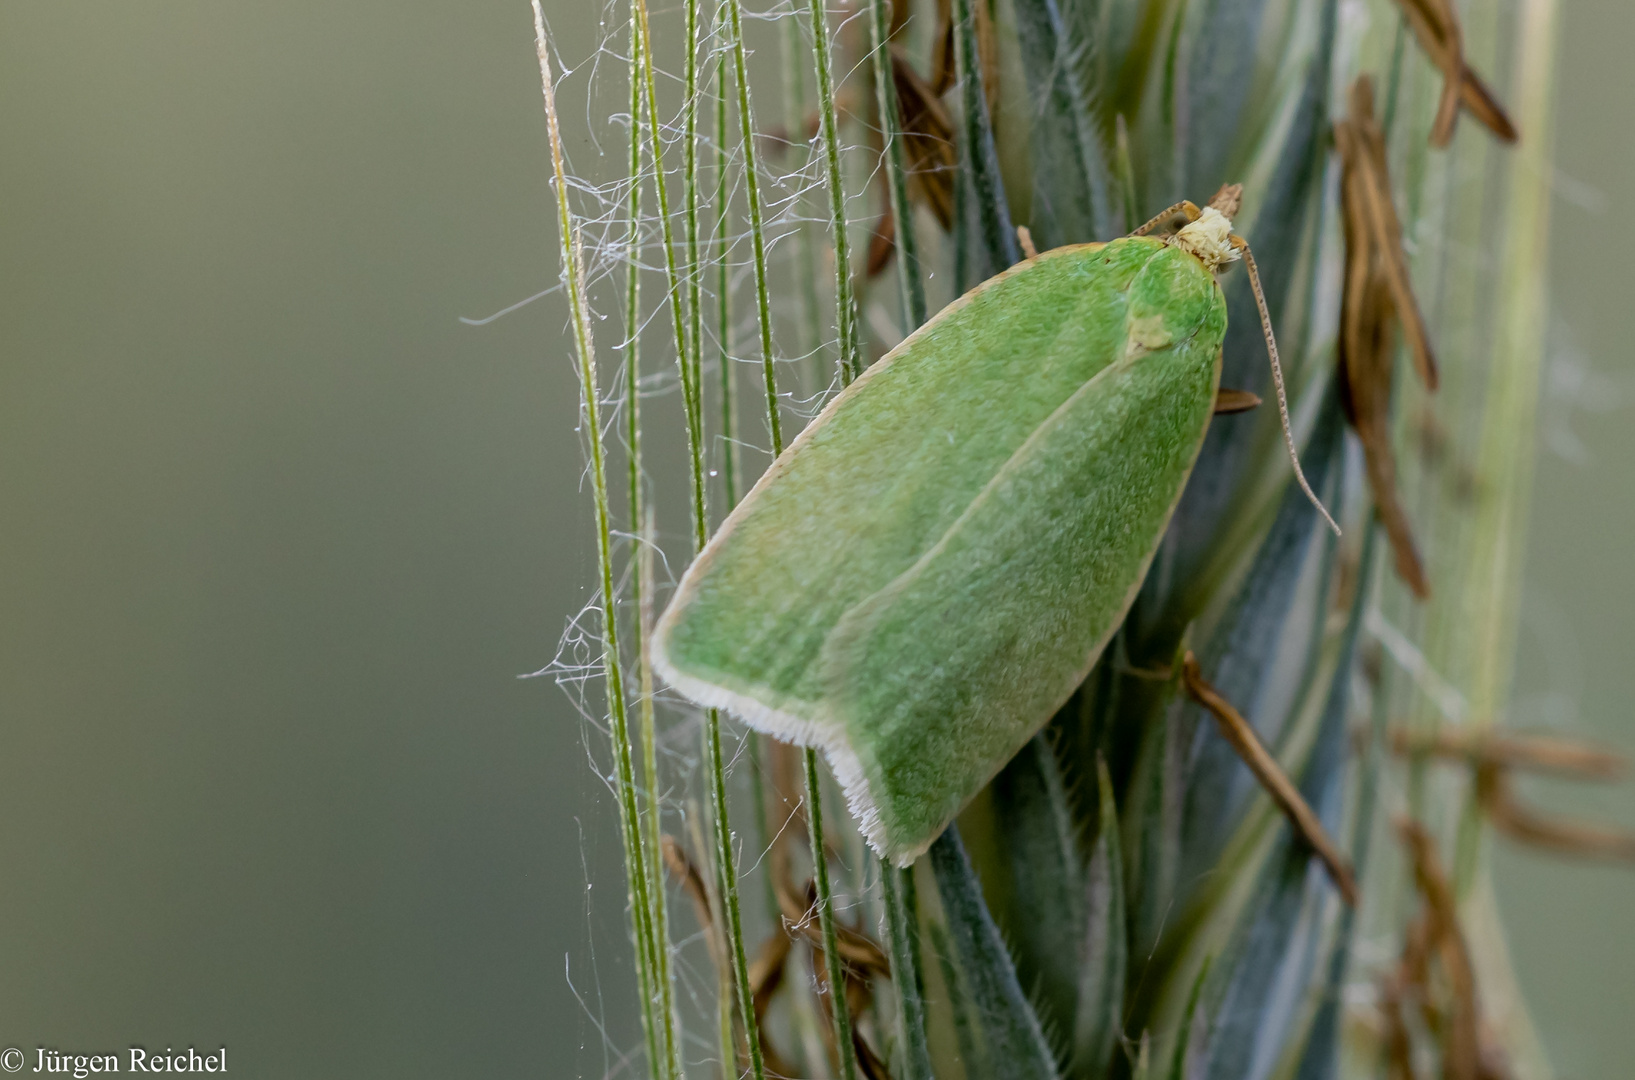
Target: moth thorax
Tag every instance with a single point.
(1209, 238)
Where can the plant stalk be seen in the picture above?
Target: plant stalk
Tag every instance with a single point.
(637, 879)
(851, 363)
(885, 90)
(757, 227)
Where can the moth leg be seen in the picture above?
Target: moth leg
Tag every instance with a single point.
(1229, 401)
(1242, 738)
(1024, 237)
(1185, 207)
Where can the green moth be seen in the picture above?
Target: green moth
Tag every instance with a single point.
(930, 569)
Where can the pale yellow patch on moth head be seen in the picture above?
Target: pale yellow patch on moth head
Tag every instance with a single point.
(1209, 239)
(1145, 334)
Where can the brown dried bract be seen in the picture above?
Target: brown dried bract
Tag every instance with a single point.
(927, 133)
(987, 55)
(1376, 298)
(942, 49)
(862, 962)
(1241, 736)
(1520, 822)
(1229, 401)
(1399, 1043)
(766, 971)
(1536, 753)
(1436, 25)
(1496, 756)
(863, 958)
(1466, 1054)
(928, 138)
(692, 883)
(882, 242)
(1228, 200)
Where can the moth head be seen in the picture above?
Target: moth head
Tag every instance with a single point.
(1208, 239)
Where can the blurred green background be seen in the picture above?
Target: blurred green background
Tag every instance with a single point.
(279, 533)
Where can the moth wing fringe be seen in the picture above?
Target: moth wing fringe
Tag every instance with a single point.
(827, 737)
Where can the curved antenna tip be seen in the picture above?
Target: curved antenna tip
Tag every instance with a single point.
(1277, 380)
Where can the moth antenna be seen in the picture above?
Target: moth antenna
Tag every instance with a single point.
(1277, 381)
(1185, 206)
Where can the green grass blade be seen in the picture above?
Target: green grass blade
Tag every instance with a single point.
(732, 468)
(1117, 58)
(1104, 959)
(632, 311)
(1125, 170)
(971, 1053)
(1166, 141)
(1141, 1065)
(903, 938)
(1320, 1058)
(1246, 1030)
(1151, 819)
(1015, 1044)
(1070, 175)
(1042, 888)
(1280, 222)
(1183, 1038)
(1220, 72)
(985, 213)
(1251, 965)
(1241, 655)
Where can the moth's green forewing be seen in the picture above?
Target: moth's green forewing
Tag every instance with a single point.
(931, 568)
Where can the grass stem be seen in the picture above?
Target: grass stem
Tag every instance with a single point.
(851, 366)
(851, 362)
(731, 459)
(690, 396)
(636, 874)
(662, 993)
(690, 184)
(885, 90)
(834, 966)
(806, 257)
(903, 939)
(757, 226)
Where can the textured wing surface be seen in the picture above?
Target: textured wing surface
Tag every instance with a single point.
(888, 468)
(945, 673)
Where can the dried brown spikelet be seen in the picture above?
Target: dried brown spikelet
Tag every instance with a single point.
(1377, 298)
(1461, 1026)
(1240, 735)
(928, 149)
(1495, 756)
(1435, 24)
